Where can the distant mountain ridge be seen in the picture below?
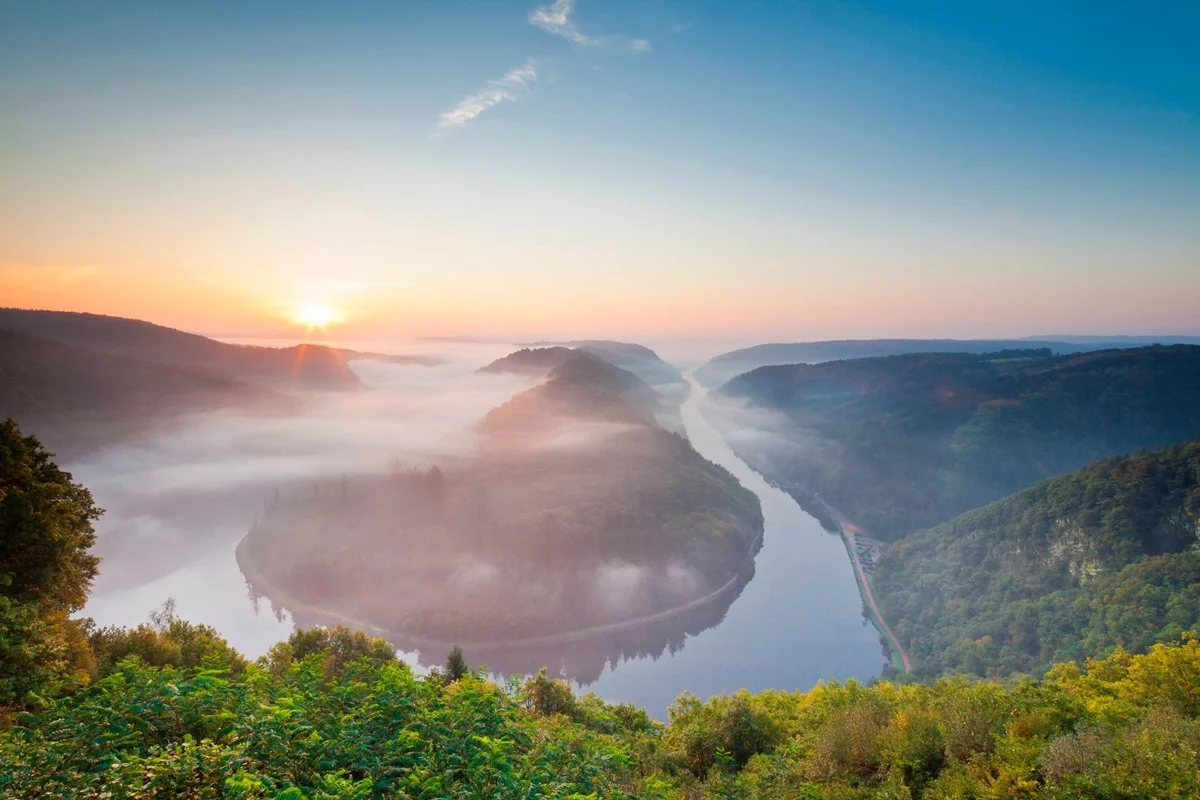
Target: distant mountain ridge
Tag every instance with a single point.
(726, 366)
(904, 442)
(76, 398)
(81, 381)
(310, 366)
(1069, 568)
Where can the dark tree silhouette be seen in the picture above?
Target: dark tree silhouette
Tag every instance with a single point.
(456, 665)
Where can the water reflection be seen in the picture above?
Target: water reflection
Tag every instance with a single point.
(581, 659)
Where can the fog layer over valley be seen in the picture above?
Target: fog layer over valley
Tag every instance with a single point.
(576, 512)
(178, 502)
(541, 506)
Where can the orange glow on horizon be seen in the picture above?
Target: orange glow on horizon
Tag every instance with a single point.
(315, 316)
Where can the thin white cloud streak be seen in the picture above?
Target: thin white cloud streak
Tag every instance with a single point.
(556, 19)
(502, 90)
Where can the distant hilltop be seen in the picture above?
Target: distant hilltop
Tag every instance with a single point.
(726, 366)
(80, 380)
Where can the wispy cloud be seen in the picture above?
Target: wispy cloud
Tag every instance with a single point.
(502, 90)
(556, 19)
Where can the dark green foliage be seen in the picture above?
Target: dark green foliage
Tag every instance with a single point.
(906, 442)
(46, 569)
(1125, 727)
(1074, 566)
(725, 729)
(167, 641)
(336, 646)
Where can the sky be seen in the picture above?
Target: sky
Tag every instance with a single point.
(658, 168)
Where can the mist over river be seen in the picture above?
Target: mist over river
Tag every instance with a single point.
(179, 505)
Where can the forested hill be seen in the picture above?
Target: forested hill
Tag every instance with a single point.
(636, 358)
(579, 385)
(76, 398)
(1074, 566)
(576, 513)
(905, 442)
(586, 380)
(727, 366)
(529, 361)
(301, 366)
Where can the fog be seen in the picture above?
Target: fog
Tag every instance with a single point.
(178, 503)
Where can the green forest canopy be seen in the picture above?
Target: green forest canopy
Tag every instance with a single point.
(1073, 566)
(906, 442)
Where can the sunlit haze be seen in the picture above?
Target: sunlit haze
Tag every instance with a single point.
(659, 169)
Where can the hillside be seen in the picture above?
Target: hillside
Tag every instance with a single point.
(301, 366)
(636, 368)
(727, 366)
(577, 512)
(636, 358)
(529, 361)
(1074, 566)
(74, 398)
(904, 442)
(579, 385)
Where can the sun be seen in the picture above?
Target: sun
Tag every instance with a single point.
(315, 315)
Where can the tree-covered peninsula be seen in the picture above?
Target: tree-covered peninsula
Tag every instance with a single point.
(577, 513)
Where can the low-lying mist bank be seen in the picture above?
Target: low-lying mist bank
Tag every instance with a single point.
(576, 512)
(180, 497)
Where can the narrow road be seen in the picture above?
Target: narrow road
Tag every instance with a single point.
(850, 530)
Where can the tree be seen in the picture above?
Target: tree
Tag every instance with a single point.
(456, 665)
(46, 569)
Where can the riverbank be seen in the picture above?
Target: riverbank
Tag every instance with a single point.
(849, 532)
(290, 602)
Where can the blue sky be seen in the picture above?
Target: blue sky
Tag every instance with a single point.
(775, 170)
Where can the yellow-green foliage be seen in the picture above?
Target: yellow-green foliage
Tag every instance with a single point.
(329, 714)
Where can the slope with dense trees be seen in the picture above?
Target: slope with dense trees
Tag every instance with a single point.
(905, 442)
(720, 369)
(75, 398)
(1074, 566)
(667, 382)
(536, 361)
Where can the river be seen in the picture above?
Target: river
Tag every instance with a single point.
(172, 531)
(797, 622)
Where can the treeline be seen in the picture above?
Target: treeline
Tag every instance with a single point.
(331, 714)
(1076, 565)
(906, 442)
